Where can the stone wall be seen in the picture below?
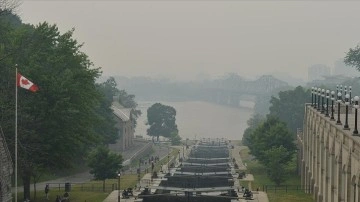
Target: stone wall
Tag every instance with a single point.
(330, 158)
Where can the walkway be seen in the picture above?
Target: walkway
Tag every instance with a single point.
(259, 196)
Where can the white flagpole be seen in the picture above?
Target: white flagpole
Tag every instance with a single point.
(16, 141)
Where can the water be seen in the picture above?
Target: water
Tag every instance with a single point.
(202, 119)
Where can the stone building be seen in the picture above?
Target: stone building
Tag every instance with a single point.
(330, 156)
(6, 170)
(125, 126)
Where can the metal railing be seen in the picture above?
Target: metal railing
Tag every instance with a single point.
(282, 188)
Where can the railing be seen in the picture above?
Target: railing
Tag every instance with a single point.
(282, 188)
(91, 187)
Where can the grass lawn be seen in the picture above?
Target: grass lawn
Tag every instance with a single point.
(92, 191)
(261, 179)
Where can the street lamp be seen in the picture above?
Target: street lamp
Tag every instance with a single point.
(314, 92)
(319, 95)
(332, 105)
(119, 186)
(345, 91)
(312, 96)
(339, 99)
(327, 103)
(139, 171)
(347, 102)
(169, 159)
(350, 94)
(356, 105)
(341, 89)
(183, 152)
(322, 100)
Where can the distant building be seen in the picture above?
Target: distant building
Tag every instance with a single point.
(340, 68)
(318, 71)
(124, 125)
(6, 171)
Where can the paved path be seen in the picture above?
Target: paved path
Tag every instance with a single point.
(258, 196)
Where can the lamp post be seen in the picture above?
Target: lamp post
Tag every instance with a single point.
(345, 90)
(356, 105)
(322, 100)
(119, 186)
(347, 102)
(337, 89)
(314, 92)
(332, 105)
(350, 94)
(339, 99)
(139, 171)
(312, 96)
(341, 89)
(319, 95)
(169, 159)
(183, 152)
(327, 103)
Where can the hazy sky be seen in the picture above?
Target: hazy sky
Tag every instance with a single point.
(185, 39)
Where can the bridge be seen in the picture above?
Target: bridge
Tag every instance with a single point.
(329, 148)
(226, 91)
(234, 89)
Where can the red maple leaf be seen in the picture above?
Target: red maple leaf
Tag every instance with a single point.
(25, 81)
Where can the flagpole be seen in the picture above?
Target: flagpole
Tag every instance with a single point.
(16, 141)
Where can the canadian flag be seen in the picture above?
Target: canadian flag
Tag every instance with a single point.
(26, 83)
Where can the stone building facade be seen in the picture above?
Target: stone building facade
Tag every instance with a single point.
(329, 157)
(6, 171)
(124, 124)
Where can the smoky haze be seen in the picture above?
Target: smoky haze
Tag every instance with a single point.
(205, 39)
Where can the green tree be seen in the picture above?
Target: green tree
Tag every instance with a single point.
(57, 125)
(262, 102)
(289, 107)
(161, 119)
(252, 123)
(352, 57)
(276, 164)
(106, 125)
(104, 164)
(175, 139)
(269, 134)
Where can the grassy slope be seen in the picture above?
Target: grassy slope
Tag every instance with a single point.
(261, 179)
(77, 195)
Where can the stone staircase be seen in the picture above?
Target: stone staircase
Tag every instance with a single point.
(6, 170)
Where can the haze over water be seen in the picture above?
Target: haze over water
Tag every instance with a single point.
(202, 119)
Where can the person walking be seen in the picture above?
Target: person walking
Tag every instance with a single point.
(47, 189)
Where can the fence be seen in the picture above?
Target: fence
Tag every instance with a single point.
(286, 188)
(93, 187)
